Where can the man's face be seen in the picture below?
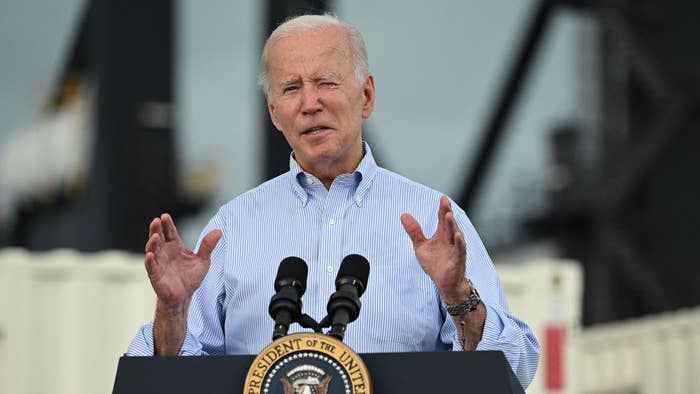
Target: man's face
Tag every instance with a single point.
(315, 99)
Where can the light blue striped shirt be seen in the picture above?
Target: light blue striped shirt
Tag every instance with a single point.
(294, 215)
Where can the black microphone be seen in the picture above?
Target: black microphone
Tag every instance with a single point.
(344, 304)
(290, 285)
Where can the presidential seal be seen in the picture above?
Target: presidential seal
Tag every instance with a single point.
(307, 363)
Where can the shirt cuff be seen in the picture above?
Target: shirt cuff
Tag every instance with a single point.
(142, 344)
(509, 335)
(493, 327)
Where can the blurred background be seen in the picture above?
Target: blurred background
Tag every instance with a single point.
(568, 131)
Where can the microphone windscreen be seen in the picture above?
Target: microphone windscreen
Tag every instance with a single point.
(292, 269)
(357, 267)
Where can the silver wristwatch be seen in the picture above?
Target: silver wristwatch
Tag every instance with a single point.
(465, 306)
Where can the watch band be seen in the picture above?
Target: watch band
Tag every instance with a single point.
(465, 306)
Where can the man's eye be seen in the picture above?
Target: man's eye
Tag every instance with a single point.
(328, 84)
(289, 89)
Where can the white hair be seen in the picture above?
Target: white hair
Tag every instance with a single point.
(304, 23)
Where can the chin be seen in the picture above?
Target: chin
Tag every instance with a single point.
(321, 153)
(319, 158)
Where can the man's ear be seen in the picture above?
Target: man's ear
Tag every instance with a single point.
(273, 115)
(368, 93)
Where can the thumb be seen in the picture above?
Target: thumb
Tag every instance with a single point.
(413, 229)
(209, 243)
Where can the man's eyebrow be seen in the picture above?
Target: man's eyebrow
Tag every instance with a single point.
(327, 76)
(289, 82)
(319, 77)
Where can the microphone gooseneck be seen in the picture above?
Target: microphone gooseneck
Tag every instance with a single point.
(290, 285)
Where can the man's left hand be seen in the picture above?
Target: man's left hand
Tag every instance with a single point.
(443, 256)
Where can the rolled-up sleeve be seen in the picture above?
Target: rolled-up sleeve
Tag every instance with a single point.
(142, 344)
(514, 338)
(502, 331)
(205, 331)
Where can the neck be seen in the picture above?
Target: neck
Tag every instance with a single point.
(327, 172)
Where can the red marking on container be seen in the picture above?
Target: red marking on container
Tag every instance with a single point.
(554, 357)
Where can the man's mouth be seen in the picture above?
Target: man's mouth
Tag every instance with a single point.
(314, 130)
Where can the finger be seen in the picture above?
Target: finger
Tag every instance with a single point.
(156, 227)
(209, 243)
(445, 208)
(153, 227)
(153, 244)
(451, 228)
(169, 228)
(413, 229)
(461, 244)
(151, 264)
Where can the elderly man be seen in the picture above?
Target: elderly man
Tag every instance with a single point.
(335, 200)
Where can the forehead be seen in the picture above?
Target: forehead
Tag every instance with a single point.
(312, 52)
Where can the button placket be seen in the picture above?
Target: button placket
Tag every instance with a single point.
(332, 232)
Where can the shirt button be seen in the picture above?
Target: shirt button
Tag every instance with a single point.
(329, 269)
(310, 181)
(332, 221)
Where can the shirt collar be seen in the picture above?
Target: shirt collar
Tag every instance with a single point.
(363, 176)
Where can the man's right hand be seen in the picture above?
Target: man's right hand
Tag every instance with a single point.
(175, 273)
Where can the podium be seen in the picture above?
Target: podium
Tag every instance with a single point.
(425, 372)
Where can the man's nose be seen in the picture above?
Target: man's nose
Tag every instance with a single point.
(311, 101)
